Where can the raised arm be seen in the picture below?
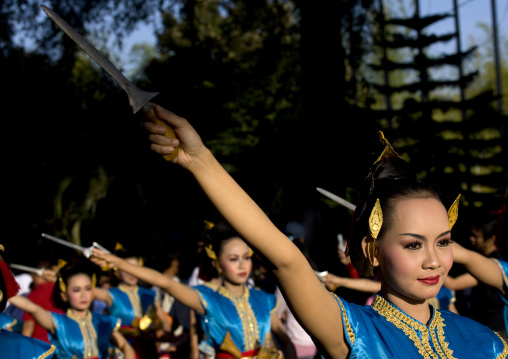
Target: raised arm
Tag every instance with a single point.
(296, 278)
(40, 315)
(183, 293)
(482, 268)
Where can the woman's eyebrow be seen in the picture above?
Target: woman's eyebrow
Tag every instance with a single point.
(418, 236)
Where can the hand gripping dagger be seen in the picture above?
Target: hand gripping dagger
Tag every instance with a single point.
(137, 98)
(87, 251)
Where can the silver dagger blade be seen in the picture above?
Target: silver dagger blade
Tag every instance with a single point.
(86, 251)
(137, 97)
(337, 199)
(38, 271)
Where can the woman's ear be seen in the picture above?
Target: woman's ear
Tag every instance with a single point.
(64, 297)
(370, 250)
(217, 266)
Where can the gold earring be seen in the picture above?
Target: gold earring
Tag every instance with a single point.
(375, 220)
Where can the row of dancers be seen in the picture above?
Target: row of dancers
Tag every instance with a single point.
(401, 234)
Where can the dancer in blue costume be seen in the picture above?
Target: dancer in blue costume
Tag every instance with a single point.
(491, 271)
(14, 345)
(79, 332)
(400, 229)
(136, 306)
(237, 321)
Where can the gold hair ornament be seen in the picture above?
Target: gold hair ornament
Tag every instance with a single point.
(208, 225)
(118, 246)
(210, 252)
(93, 280)
(61, 285)
(453, 212)
(1, 295)
(375, 220)
(388, 152)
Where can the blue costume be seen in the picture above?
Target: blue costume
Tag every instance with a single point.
(503, 266)
(384, 331)
(444, 298)
(7, 321)
(129, 304)
(15, 345)
(85, 338)
(247, 318)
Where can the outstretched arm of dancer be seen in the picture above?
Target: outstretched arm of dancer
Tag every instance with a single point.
(297, 279)
(183, 293)
(279, 331)
(41, 315)
(333, 282)
(120, 342)
(484, 269)
(460, 282)
(103, 295)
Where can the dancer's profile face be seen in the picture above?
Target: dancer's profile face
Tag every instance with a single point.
(415, 254)
(235, 261)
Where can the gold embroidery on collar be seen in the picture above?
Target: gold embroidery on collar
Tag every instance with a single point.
(132, 293)
(505, 348)
(50, 351)
(88, 333)
(349, 329)
(411, 327)
(246, 314)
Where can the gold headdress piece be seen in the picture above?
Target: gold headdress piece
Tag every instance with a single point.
(376, 215)
(453, 212)
(61, 283)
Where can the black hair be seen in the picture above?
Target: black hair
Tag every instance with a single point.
(488, 222)
(126, 253)
(219, 235)
(65, 274)
(389, 180)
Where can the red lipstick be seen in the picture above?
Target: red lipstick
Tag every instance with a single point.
(430, 280)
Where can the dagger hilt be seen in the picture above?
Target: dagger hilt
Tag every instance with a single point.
(151, 116)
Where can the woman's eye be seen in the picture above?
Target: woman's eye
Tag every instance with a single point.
(413, 245)
(444, 242)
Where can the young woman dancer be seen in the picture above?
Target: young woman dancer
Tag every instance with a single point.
(14, 345)
(79, 333)
(237, 321)
(400, 228)
(136, 306)
(490, 271)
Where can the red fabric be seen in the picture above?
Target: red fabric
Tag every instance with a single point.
(249, 353)
(41, 295)
(11, 286)
(352, 271)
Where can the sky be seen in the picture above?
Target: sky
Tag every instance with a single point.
(471, 14)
